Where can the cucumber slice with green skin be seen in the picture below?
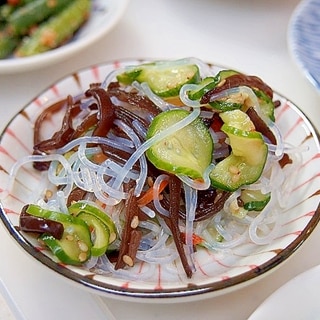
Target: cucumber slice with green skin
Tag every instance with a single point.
(223, 106)
(188, 151)
(164, 78)
(204, 86)
(79, 207)
(74, 247)
(209, 83)
(254, 200)
(100, 231)
(247, 144)
(237, 119)
(247, 160)
(266, 104)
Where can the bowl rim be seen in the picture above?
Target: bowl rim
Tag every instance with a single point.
(193, 291)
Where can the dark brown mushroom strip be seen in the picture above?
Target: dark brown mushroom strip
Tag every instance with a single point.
(106, 111)
(236, 81)
(173, 221)
(59, 138)
(117, 155)
(135, 102)
(262, 127)
(47, 113)
(134, 243)
(30, 223)
(63, 136)
(127, 117)
(89, 122)
(76, 194)
(209, 203)
(131, 210)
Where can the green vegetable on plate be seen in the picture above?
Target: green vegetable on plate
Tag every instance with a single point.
(30, 27)
(87, 232)
(32, 13)
(56, 30)
(249, 153)
(75, 245)
(188, 151)
(164, 79)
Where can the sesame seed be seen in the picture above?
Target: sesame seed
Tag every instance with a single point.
(127, 260)
(134, 222)
(82, 256)
(69, 237)
(217, 197)
(82, 246)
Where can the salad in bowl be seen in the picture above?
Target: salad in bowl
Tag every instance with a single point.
(160, 179)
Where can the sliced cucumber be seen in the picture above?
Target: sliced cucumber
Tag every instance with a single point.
(100, 231)
(266, 104)
(164, 78)
(209, 83)
(204, 86)
(75, 245)
(80, 207)
(237, 119)
(188, 151)
(254, 200)
(246, 162)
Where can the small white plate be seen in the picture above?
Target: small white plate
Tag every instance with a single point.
(105, 14)
(297, 299)
(304, 39)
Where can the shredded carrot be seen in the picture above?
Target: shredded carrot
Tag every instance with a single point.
(147, 197)
(196, 240)
(99, 157)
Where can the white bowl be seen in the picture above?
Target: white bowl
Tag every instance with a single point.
(216, 273)
(104, 16)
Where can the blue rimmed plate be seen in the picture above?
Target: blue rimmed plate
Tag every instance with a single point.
(304, 39)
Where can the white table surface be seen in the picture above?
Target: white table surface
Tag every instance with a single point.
(249, 35)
